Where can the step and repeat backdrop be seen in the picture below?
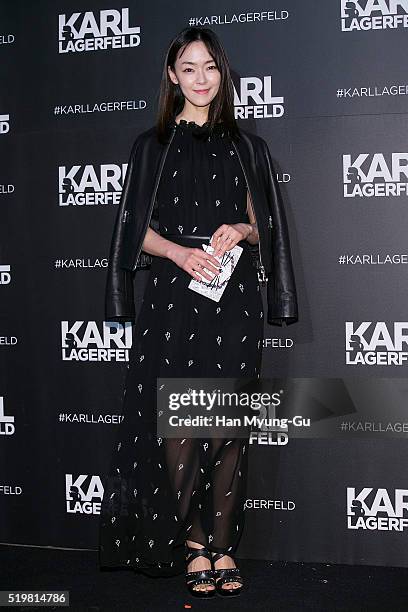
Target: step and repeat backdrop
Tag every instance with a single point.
(325, 84)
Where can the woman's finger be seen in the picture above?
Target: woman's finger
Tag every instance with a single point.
(206, 263)
(226, 245)
(199, 273)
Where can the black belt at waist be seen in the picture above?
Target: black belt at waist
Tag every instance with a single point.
(192, 239)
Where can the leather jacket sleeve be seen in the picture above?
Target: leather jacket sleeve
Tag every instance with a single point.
(119, 292)
(281, 288)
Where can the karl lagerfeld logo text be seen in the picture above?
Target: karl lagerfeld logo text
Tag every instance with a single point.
(84, 341)
(5, 274)
(6, 189)
(94, 31)
(373, 14)
(255, 99)
(83, 494)
(8, 340)
(90, 185)
(7, 39)
(377, 509)
(376, 343)
(4, 124)
(7, 427)
(369, 175)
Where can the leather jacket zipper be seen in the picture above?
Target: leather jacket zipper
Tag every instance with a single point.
(149, 215)
(262, 278)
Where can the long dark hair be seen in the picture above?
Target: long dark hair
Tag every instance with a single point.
(171, 98)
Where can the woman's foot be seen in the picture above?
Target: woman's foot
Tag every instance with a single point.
(226, 562)
(198, 564)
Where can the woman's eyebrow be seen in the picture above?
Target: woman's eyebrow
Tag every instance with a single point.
(194, 63)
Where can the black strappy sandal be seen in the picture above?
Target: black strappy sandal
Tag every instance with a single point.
(200, 576)
(222, 576)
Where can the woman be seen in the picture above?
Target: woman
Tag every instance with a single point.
(169, 497)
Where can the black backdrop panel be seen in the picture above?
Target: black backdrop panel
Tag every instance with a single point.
(332, 105)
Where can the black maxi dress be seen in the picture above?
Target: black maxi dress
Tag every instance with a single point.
(161, 491)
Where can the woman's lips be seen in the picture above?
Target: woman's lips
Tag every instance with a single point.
(201, 91)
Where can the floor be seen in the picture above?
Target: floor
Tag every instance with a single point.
(269, 586)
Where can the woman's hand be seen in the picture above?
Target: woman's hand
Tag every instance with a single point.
(195, 261)
(227, 236)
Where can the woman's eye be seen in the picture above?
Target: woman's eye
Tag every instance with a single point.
(187, 69)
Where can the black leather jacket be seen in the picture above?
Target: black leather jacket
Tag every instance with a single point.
(138, 209)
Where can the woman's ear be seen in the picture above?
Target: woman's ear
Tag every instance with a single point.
(172, 76)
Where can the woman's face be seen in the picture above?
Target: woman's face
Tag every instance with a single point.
(197, 74)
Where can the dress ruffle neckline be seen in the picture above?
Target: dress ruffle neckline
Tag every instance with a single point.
(200, 131)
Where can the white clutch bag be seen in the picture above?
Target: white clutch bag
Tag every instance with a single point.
(213, 289)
